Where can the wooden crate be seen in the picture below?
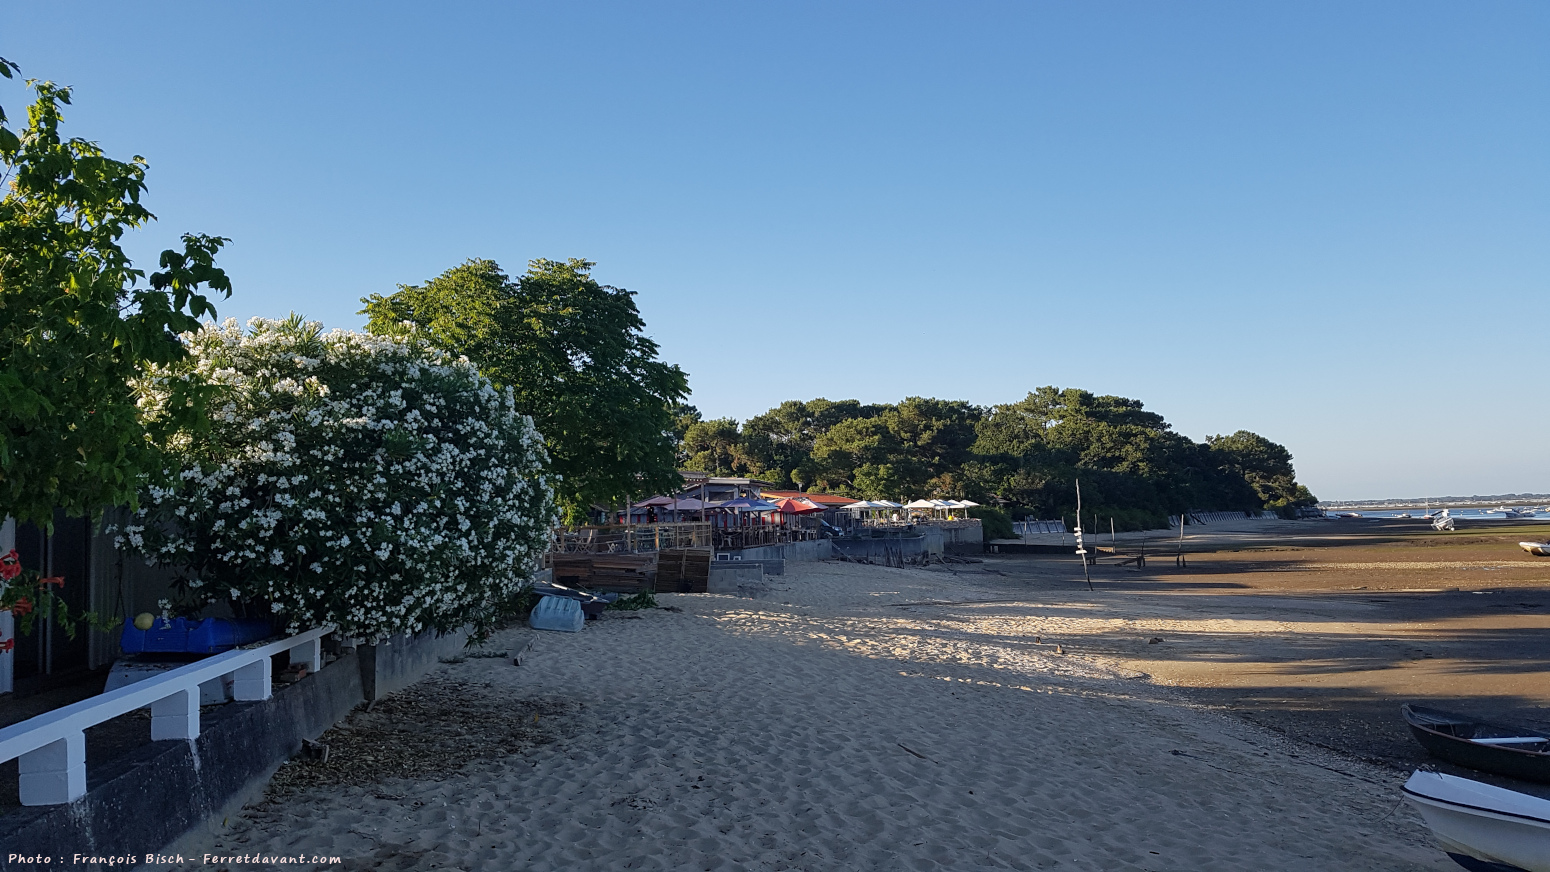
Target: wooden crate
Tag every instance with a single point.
(683, 570)
(620, 573)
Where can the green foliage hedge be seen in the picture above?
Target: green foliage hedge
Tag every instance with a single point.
(995, 523)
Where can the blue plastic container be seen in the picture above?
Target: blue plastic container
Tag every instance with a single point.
(182, 636)
(557, 613)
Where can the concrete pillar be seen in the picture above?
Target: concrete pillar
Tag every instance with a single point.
(176, 716)
(308, 654)
(55, 773)
(251, 682)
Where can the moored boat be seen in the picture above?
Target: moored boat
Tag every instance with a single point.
(1538, 549)
(1482, 827)
(1511, 751)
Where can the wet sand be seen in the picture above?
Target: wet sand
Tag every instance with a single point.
(1320, 630)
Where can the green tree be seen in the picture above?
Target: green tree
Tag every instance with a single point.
(573, 352)
(75, 325)
(1029, 454)
(780, 442)
(937, 437)
(1128, 459)
(861, 457)
(714, 447)
(1266, 466)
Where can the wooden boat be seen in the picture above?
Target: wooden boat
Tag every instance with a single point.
(1510, 751)
(1483, 828)
(1538, 549)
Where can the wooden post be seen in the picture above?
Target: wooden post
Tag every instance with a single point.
(1080, 550)
(1179, 560)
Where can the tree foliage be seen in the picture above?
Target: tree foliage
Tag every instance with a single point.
(575, 356)
(1027, 455)
(75, 324)
(1266, 466)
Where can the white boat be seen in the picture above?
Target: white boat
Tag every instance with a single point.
(1443, 522)
(1479, 824)
(1517, 513)
(1538, 549)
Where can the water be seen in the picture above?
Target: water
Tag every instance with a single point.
(1541, 513)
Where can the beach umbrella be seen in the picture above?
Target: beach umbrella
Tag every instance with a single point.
(886, 504)
(747, 504)
(920, 504)
(796, 507)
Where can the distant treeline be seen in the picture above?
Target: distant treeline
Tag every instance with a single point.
(1026, 455)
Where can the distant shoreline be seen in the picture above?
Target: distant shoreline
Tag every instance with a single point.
(1470, 502)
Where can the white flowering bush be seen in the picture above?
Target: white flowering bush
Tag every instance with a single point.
(345, 479)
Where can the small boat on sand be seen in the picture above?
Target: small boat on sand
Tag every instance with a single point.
(1511, 751)
(1482, 827)
(1538, 549)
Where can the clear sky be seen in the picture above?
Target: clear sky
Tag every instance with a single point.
(1328, 223)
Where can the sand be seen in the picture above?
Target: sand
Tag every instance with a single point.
(851, 717)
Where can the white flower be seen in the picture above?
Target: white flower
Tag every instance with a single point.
(239, 501)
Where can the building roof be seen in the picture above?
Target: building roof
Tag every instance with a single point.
(828, 501)
(695, 479)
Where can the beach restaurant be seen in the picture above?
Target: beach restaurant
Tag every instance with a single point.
(834, 507)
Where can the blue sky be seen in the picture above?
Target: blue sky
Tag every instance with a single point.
(1324, 222)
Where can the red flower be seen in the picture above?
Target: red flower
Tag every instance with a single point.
(23, 606)
(7, 645)
(57, 581)
(10, 565)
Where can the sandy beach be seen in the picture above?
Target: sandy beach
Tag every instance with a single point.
(992, 715)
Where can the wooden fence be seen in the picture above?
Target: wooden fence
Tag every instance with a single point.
(631, 539)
